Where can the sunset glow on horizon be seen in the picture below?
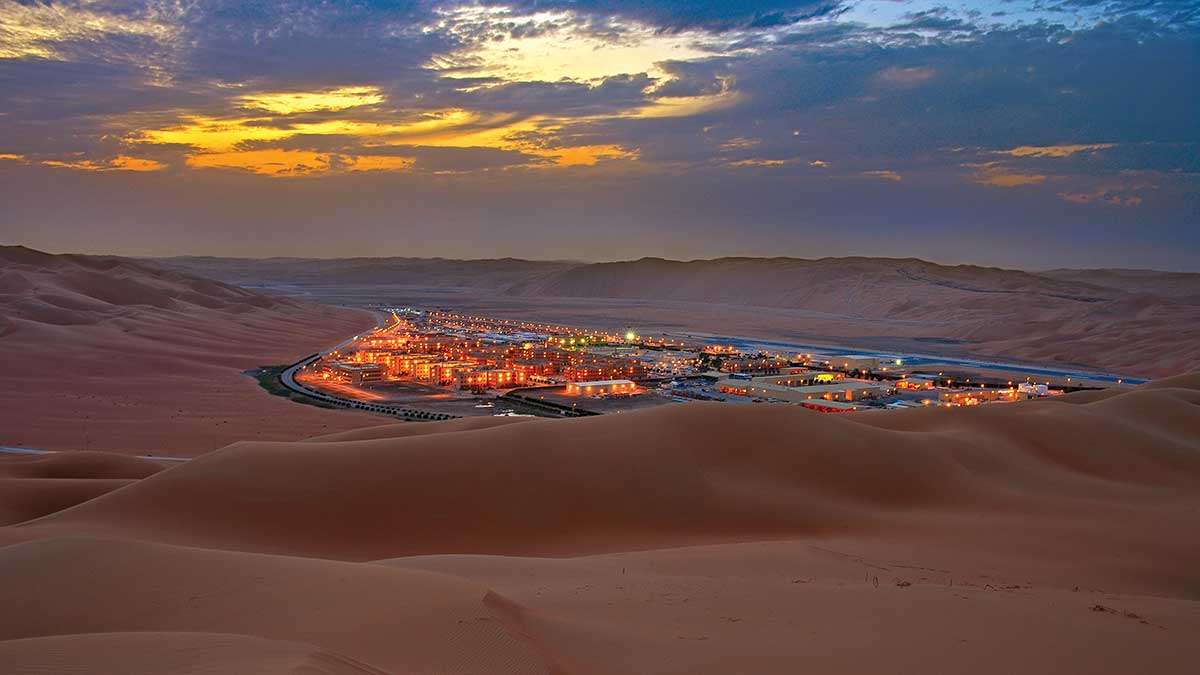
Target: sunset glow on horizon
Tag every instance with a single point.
(770, 118)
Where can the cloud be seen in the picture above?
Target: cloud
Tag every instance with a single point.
(296, 163)
(1102, 196)
(758, 161)
(62, 30)
(905, 77)
(741, 143)
(287, 103)
(1053, 150)
(885, 174)
(997, 175)
(118, 163)
(935, 20)
(706, 15)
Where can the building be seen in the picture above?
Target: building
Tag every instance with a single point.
(672, 360)
(854, 362)
(916, 382)
(353, 373)
(1032, 390)
(531, 367)
(493, 378)
(830, 406)
(799, 377)
(408, 364)
(448, 372)
(597, 369)
(980, 395)
(601, 388)
(753, 364)
(846, 390)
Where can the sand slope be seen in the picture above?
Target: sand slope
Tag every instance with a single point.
(788, 607)
(398, 620)
(107, 354)
(1120, 475)
(1042, 537)
(156, 653)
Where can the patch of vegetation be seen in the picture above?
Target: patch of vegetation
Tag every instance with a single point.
(268, 378)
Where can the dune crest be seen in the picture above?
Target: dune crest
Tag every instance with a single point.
(110, 354)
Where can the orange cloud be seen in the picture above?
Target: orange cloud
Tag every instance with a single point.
(12, 158)
(1102, 196)
(759, 162)
(118, 163)
(1052, 150)
(990, 173)
(292, 163)
(287, 103)
(740, 143)
(581, 155)
(885, 174)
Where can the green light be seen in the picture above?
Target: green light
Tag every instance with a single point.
(630, 336)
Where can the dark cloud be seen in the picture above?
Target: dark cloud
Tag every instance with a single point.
(711, 15)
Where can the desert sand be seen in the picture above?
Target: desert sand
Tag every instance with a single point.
(107, 354)
(1042, 537)
(1130, 322)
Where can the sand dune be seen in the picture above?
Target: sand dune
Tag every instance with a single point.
(156, 653)
(788, 607)
(1048, 536)
(694, 473)
(1133, 322)
(24, 499)
(81, 464)
(107, 354)
(404, 429)
(398, 620)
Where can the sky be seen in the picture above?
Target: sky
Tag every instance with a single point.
(1017, 133)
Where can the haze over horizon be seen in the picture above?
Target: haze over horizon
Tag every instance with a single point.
(579, 261)
(1019, 134)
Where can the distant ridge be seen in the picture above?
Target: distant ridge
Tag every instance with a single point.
(1130, 322)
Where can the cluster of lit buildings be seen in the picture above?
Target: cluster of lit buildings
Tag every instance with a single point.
(802, 386)
(474, 353)
(479, 354)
